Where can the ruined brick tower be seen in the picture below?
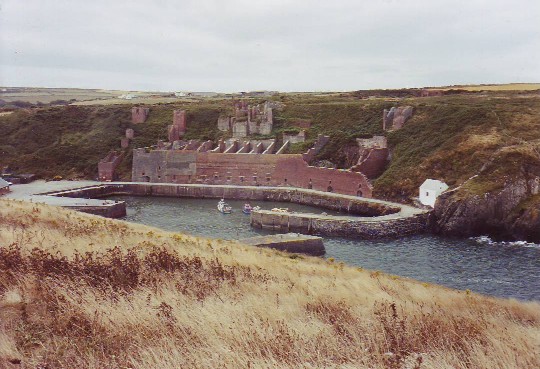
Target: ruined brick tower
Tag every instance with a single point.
(139, 114)
(178, 129)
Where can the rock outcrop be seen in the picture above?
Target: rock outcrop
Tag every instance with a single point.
(395, 118)
(512, 212)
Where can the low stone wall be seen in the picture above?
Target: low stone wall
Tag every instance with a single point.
(370, 228)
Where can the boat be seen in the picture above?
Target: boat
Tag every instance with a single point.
(223, 207)
(248, 208)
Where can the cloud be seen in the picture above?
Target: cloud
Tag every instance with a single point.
(239, 45)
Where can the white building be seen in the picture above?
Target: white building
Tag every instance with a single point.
(430, 190)
(4, 186)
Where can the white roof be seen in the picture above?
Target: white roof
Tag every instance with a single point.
(4, 183)
(434, 184)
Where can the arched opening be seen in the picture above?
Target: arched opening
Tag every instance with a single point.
(145, 179)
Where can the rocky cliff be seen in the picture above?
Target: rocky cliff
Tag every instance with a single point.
(509, 212)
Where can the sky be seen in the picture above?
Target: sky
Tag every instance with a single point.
(284, 45)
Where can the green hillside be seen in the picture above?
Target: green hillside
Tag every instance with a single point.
(448, 137)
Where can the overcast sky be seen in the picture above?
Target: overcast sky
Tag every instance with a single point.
(286, 45)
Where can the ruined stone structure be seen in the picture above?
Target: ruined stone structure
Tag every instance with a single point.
(139, 114)
(242, 164)
(178, 129)
(295, 138)
(124, 141)
(395, 118)
(373, 156)
(248, 120)
(107, 166)
(317, 147)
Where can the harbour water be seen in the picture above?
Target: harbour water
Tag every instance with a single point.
(498, 269)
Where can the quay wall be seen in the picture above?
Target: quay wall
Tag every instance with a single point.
(366, 218)
(349, 204)
(340, 226)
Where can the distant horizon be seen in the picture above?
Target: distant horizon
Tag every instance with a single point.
(278, 91)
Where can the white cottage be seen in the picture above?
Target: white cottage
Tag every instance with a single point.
(430, 190)
(4, 186)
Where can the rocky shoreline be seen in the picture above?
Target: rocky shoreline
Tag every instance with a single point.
(510, 213)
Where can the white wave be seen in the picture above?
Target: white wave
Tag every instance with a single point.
(485, 240)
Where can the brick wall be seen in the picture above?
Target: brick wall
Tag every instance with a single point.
(107, 166)
(244, 169)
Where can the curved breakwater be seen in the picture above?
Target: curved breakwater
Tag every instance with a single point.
(366, 218)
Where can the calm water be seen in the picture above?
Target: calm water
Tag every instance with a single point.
(499, 269)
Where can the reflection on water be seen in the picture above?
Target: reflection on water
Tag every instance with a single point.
(500, 269)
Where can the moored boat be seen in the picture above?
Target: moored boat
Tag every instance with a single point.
(248, 208)
(223, 207)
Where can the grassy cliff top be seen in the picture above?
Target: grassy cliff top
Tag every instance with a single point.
(82, 291)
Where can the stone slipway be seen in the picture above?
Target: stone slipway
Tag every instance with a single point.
(33, 192)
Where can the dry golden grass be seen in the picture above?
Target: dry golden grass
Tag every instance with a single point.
(79, 291)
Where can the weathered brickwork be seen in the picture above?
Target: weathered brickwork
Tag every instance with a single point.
(107, 166)
(178, 129)
(139, 114)
(208, 167)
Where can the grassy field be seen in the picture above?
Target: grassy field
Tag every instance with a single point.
(501, 87)
(80, 291)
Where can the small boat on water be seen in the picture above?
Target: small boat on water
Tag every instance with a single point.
(248, 208)
(223, 207)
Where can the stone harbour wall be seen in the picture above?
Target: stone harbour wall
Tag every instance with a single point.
(367, 218)
(370, 228)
